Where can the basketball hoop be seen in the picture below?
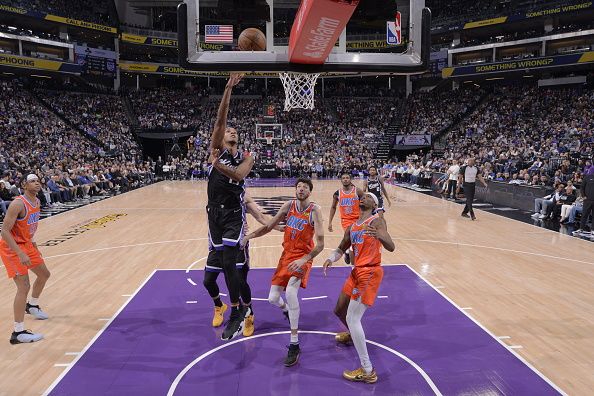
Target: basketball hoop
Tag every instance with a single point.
(299, 90)
(269, 140)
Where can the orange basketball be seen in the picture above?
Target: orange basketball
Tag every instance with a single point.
(252, 39)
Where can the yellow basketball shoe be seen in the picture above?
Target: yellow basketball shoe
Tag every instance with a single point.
(344, 338)
(248, 326)
(359, 375)
(217, 318)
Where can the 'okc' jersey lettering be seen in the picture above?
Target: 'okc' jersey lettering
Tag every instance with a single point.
(299, 232)
(221, 189)
(366, 249)
(296, 223)
(24, 228)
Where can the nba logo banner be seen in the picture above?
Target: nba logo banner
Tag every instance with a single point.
(394, 31)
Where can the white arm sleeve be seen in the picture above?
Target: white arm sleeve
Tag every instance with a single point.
(335, 255)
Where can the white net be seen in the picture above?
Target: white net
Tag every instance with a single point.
(299, 90)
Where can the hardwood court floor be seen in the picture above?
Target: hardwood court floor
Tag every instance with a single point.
(532, 285)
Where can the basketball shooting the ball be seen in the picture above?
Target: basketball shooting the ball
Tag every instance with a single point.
(252, 39)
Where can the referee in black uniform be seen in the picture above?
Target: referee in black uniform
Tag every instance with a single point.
(226, 207)
(467, 177)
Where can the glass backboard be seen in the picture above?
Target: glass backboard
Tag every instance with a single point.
(362, 47)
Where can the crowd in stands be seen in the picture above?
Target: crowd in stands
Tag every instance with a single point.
(448, 12)
(95, 11)
(167, 108)
(526, 135)
(343, 133)
(187, 108)
(182, 108)
(547, 131)
(340, 134)
(71, 167)
(520, 135)
(353, 88)
(100, 116)
(412, 171)
(433, 112)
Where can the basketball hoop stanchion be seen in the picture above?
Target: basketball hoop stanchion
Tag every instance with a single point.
(299, 90)
(269, 133)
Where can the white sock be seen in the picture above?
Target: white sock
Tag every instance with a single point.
(19, 326)
(294, 338)
(34, 301)
(293, 301)
(354, 314)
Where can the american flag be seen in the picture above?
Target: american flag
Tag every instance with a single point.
(218, 34)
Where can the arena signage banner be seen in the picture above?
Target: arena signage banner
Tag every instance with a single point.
(16, 10)
(585, 5)
(370, 44)
(215, 47)
(167, 42)
(59, 19)
(83, 24)
(577, 6)
(41, 64)
(485, 22)
(535, 63)
(156, 68)
(367, 44)
(147, 40)
(413, 140)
